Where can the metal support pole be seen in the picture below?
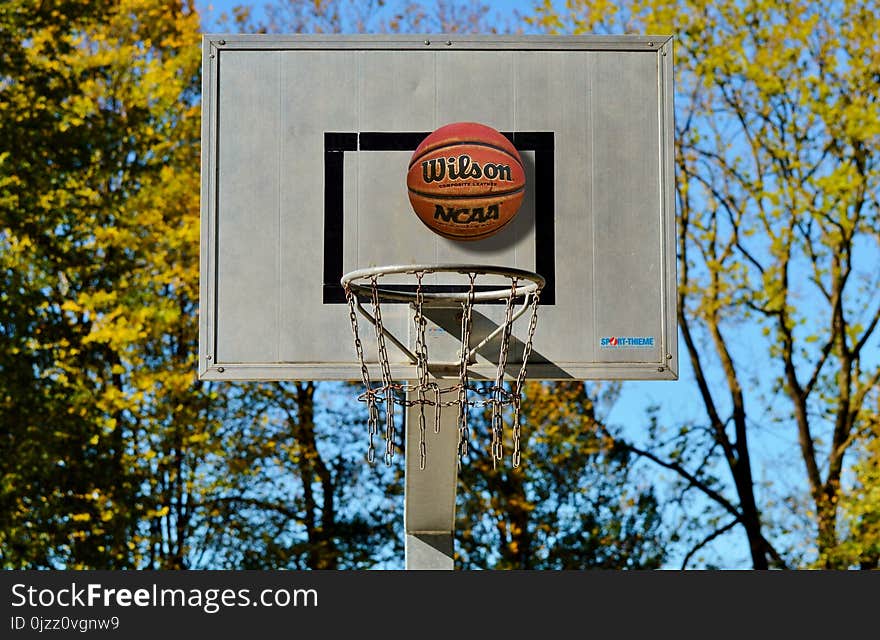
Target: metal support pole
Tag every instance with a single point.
(429, 498)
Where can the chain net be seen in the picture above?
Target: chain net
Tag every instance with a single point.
(425, 391)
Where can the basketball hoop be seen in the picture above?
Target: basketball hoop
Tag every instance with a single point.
(519, 293)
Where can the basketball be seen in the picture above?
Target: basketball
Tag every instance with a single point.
(466, 181)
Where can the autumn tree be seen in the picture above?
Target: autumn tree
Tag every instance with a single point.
(369, 16)
(304, 496)
(577, 501)
(112, 455)
(860, 499)
(777, 135)
(102, 426)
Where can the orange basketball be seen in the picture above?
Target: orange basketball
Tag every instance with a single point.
(466, 181)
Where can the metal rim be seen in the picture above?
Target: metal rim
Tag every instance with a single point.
(353, 280)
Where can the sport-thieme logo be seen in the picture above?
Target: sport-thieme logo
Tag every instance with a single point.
(627, 342)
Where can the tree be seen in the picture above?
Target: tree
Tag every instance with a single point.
(860, 505)
(113, 455)
(302, 494)
(98, 231)
(574, 503)
(370, 16)
(777, 133)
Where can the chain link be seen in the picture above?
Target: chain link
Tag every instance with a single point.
(372, 409)
(463, 405)
(520, 379)
(421, 366)
(498, 390)
(387, 383)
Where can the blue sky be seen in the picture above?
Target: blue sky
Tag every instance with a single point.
(212, 10)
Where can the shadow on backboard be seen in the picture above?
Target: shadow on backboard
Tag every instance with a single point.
(449, 319)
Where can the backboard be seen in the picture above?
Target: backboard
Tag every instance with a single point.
(305, 147)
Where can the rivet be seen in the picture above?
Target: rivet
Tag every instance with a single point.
(449, 43)
(660, 369)
(650, 44)
(427, 42)
(207, 357)
(221, 369)
(669, 356)
(212, 55)
(221, 42)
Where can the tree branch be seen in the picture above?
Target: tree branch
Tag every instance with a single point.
(867, 334)
(715, 534)
(265, 505)
(684, 473)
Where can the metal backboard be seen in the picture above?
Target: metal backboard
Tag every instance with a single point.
(305, 146)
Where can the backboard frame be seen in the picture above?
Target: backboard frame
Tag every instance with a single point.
(214, 46)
